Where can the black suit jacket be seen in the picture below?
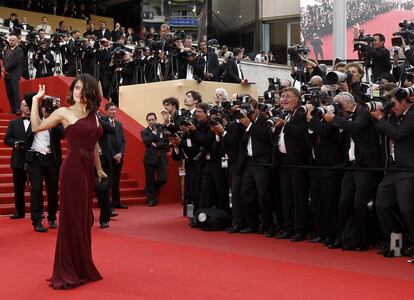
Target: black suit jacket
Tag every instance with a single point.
(13, 61)
(15, 132)
(327, 143)
(57, 133)
(232, 142)
(403, 137)
(106, 34)
(212, 66)
(117, 140)
(28, 27)
(296, 140)
(380, 60)
(262, 143)
(8, 21)
(232, 72)
(161, 146)
(362, 130)
(104, 143)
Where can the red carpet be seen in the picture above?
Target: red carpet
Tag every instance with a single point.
(386, 24)
(151, 253)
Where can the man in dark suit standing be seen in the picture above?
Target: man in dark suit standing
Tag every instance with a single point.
(12, 21)
(103, 32)
(102, 190)
(397, 187)
(13, 60)
(207, 64)
(234, 73)
(293, 149)
(117, 142)
(155, 158)
(44, 162)
(256, 158)
(19, 136)
(25, 26)
(358, 186)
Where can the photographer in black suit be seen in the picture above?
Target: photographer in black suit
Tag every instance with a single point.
(12, 64)
(44, 160)
(43, 61)
(233, 71)
(117, 142)
(327, 150)
(12, 21)
(378, 54)
(102, 189)
(293, 149)
(155, 158)
(358, 186)
(256, 158)
(207, 64)
(397, 187)
(19, 136)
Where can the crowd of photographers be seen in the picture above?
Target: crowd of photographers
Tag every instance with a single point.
(80, 9)
(120, 57)
(332, 161)
(319, 18)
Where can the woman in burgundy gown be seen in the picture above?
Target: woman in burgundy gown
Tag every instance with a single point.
(73, 263)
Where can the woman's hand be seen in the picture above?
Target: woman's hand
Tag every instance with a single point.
(40, 93)
(101, 175)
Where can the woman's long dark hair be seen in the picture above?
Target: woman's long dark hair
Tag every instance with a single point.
(90, 91)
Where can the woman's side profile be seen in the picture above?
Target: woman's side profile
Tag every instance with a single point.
(73, 264)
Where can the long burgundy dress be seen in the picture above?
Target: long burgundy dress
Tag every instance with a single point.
(73, 264)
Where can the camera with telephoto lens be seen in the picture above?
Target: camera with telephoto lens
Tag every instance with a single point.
(336, 77)
(117, 56)
(296, 51)
(310, 94)
(405, 93)
(405, 33)
(50, 104)
(184, 118)
(276, 113)
(362, 38)
(408, 74)
(215, 120)
(244, 110)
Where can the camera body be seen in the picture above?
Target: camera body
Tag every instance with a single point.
(406, 32)
(295, 51)
(19, 145)
(50, 104)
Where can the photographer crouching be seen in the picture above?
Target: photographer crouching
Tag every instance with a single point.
(397, 187)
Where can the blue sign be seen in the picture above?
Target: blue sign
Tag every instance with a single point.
(181, 22)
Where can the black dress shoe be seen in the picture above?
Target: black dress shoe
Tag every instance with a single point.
(114, 214)
(233, 229)
(52, 224)
(298, 237)
(249, 230)
(315, 239)
(284, 235)
(16, 216)
(121, 206)
(40, 228)
(328, 241)
(152, 203)
(269, 234)
(104, 225)
(336, 245)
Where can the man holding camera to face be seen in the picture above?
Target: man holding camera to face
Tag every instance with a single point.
(293, 145)
(44, 159)
(358, 185)
(256, 158)
(378, 54)
(397, 187)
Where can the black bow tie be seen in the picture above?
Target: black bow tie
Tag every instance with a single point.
(26, 118)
